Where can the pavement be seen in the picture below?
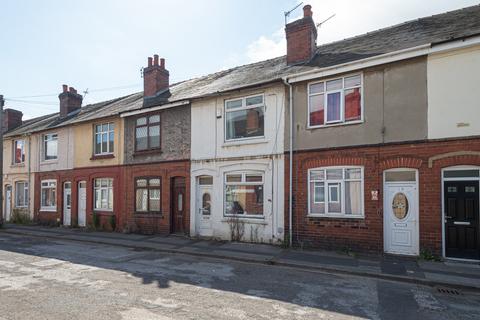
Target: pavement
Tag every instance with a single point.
(448, 274)
(56, 278)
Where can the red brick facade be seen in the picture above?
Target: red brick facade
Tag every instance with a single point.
(156, 223)
(366, 234)
(124, 196)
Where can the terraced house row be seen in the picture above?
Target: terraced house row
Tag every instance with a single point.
(370, 143)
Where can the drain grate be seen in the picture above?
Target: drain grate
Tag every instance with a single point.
(449, 291)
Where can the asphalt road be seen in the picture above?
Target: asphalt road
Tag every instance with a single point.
(46, 279)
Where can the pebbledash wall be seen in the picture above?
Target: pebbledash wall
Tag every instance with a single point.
(366, 234)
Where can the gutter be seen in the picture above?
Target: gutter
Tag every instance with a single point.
(290, 160)
(161, 107)
(413, 52)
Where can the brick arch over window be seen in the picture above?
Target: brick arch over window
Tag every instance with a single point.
(401, 162)
(455, 159)
(314, 162)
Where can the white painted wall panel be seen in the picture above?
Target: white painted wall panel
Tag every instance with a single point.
(454, 94)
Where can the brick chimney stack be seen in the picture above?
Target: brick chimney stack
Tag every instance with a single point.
(301, 38)
(155, 77)
(11, 119)
(70, 101)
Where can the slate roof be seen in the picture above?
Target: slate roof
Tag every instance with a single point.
(429, 30)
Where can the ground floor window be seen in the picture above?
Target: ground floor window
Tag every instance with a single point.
(48, 195)
(336, 191)
(147, 195)
(103, 194)
(244, 194)
(21, 194)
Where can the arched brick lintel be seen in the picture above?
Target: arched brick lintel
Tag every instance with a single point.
(316, 162)
(400, 162)
(454, 159)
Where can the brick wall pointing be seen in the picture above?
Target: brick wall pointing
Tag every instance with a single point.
(366, 234)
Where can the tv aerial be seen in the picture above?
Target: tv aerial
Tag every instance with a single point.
(287, 13)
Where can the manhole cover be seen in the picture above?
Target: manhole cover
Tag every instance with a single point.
(449, 291)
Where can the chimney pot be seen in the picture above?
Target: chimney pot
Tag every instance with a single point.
(155, 59)
(65, 88)
(149, 61)
(162, 63)
(307, 11)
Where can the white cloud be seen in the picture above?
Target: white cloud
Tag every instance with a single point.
(351, 18)
(267, 47)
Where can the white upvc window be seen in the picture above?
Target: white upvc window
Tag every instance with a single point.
(104, 138)
(244, 118)
(336, 192)
(50, 146)
(48, 195)
(21, 194)
(335, 101)
(18, 151)
(103, 194)
(244, 194)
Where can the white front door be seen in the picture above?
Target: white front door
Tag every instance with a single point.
(401, 235)
(82, 203)
(67, 203)
(8, 203)
(204, 211)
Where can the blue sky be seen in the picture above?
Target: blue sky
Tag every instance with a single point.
(103, 44)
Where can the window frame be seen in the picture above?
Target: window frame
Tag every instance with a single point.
(148, 187)
(48, 208)
(148, 125)
(44, 148)
(26, 193)
(22, 156)
(243, 107)
(243, 182)
(110, 124)
(342, 101)
(342, 195)
(109, 189)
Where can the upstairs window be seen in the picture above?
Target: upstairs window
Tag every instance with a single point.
(104, 136)
(244, 194)
(18, 151)
(244, 118)
(335, 101)
(147, 133)
(50, 146)
(336, 192)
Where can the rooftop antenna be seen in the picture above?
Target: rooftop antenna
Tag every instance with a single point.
(85, 92)
(320, 23)
(287, 13)
(141, 72)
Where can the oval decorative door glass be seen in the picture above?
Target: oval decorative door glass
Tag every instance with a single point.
(400, 205)
(206, 204)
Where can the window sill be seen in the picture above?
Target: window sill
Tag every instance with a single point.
(148, 215)
(233, 143)
(147, 152)
(247, 219)
(104, 212)
(53, 161)
(335, 216)
(337, 124)
(102, 156)
(49, 210)
(17, 165)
